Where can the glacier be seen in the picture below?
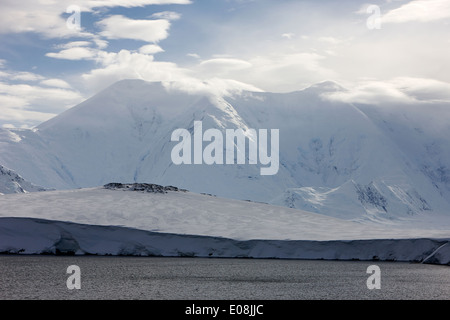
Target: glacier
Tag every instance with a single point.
(150, 220)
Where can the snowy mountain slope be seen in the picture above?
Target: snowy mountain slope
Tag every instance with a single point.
(26, 153)
(377, 200)
(350, 161)
(422, 137)
(182, 212)
(11, 182)
(164, 221)
(340, 153)
(123, 134)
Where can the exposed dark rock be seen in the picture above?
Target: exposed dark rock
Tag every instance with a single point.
(144, 187)
(370, 195)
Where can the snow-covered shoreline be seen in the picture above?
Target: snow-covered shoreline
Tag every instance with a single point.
(172, 223)
(40, 236)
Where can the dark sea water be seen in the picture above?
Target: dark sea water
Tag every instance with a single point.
(45, 277)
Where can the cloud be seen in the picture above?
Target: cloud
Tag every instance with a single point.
(423, 89)
(18, 75)
(375, 92)
(33, 95)
(271, 52)
(419, 11)
(34, 16)
(21, 76)
(220, 66)
(49, 17)
(286, 72)
(150, 49)
(120, 27)
(130, 65)
(280, 72)
(288, 35)
(194, 55)
(130, 3)
(57, 83)
(167, 15)
(135, 65)
(23, 118)
(75, 53)
(28, 104)
(214, 87)
(330, 40)
(73, 44)
(400, 90)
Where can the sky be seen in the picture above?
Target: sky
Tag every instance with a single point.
(55, 54)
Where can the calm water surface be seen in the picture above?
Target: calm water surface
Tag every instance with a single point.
(44, 277)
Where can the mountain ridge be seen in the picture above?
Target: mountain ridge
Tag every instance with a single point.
(11, 182)
(338, 158)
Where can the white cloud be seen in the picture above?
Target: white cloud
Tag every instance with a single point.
(24, 76)
(279, 72)
(290, 72)
(48, 17)
(272, 52)
(32, 94)
(29, 104)
(400, 90)
(330, 40)
(101, 43)
(73, 44)
(130, 3)
(133, 65)
(419, 11)
(75, 53)
(220, 66)
(150, 49)
(130, 65)
(34, 16)
(375, 92)
(423, 89)
(19, 75)
(120, 27)
(57, 83)
(288, 35)
(8, 101)
(24, 118)
(194, 55)
(214, 87)
(168, 15)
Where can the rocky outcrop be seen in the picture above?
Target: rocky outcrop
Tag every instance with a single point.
(144, 187)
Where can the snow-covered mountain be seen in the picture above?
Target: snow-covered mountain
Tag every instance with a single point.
(11, 182)
(341, 159)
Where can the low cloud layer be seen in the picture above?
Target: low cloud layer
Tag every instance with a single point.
(222, 48)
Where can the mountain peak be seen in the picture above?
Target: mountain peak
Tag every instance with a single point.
(325, 86)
